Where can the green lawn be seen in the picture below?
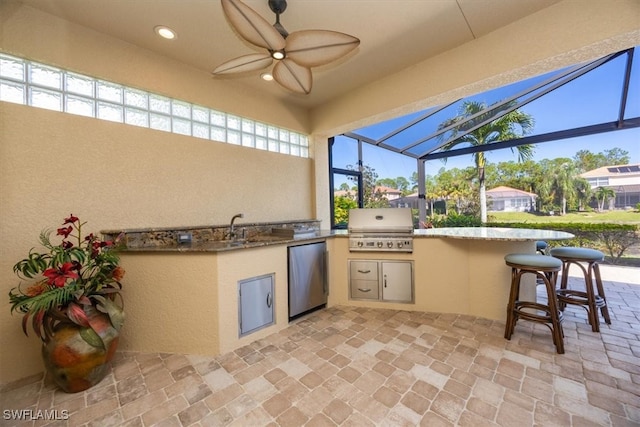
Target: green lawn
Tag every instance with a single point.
(629, 217)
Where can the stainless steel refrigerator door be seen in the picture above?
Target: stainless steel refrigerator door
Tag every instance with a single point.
(307, 277)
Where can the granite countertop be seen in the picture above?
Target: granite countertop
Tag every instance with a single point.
(292, 223)
(494, 233)
(230, 245)
(256, 241)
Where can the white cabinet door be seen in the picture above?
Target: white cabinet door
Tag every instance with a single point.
(256, 303)
(397, 280)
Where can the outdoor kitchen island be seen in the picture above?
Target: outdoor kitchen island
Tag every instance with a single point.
(193, 306)
(456, 270)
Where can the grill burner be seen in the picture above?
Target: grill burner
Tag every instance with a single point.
(381, 230)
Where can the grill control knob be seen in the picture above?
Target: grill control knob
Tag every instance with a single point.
(389, 244)
(379, 244)
(360, 244)
(400, 244)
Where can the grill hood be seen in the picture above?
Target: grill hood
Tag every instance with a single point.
(381, 221)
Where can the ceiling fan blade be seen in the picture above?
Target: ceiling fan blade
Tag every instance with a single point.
(251, 26)
(311, 48)
(251, 62)
(292, 76)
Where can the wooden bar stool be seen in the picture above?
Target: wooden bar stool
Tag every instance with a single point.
(587, 299)
(546, 269)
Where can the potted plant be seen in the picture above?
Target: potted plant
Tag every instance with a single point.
(72, 299)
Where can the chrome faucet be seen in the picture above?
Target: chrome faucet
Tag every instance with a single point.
(232, 233)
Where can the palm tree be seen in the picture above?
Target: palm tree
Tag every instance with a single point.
(559, 184)
(512, 125)
(604, 194)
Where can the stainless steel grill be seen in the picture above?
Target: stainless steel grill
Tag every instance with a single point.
(381, 230)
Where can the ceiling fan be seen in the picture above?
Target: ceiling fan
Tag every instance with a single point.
(294, 53)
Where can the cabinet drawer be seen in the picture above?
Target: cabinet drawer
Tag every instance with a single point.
(363, 270)
(366, 289)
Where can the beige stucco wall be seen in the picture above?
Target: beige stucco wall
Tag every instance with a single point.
(118, 176)
(171, 303)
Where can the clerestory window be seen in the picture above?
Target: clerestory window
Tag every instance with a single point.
(43, 86)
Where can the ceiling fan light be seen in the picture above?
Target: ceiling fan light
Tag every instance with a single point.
(267, 77)
(277, 54)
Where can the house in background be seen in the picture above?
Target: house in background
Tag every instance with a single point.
(384, 192)
(507, 199)
(624, 180)
(408, 201)
(388, 193)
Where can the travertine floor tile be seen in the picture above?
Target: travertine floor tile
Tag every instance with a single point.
(347, 366)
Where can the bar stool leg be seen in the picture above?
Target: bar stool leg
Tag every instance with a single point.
(564, 282)
(558, 334)
(605, 308)
(594, 318)
(513, 297)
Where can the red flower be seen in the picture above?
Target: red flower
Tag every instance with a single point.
(65, 231)
(71, 219)
(66, 244)
(95, 249)
(58, 276)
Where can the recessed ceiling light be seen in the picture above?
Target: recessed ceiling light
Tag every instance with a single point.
(266, 77)
(165, 32)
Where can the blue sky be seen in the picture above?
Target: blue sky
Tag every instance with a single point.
(590, 99)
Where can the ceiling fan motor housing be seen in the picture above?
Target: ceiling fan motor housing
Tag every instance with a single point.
(278, 6)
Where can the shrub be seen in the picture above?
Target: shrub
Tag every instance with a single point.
(613, 239)
(454, 220)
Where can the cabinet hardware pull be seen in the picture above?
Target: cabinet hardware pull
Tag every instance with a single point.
(364, 271)
(364, 290)
(385, 280)
(269, 301)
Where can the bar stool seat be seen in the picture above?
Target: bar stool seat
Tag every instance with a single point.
(587, 298)
(546, 269)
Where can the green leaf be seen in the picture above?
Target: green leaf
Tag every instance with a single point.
(92, 338)
(116, 314)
